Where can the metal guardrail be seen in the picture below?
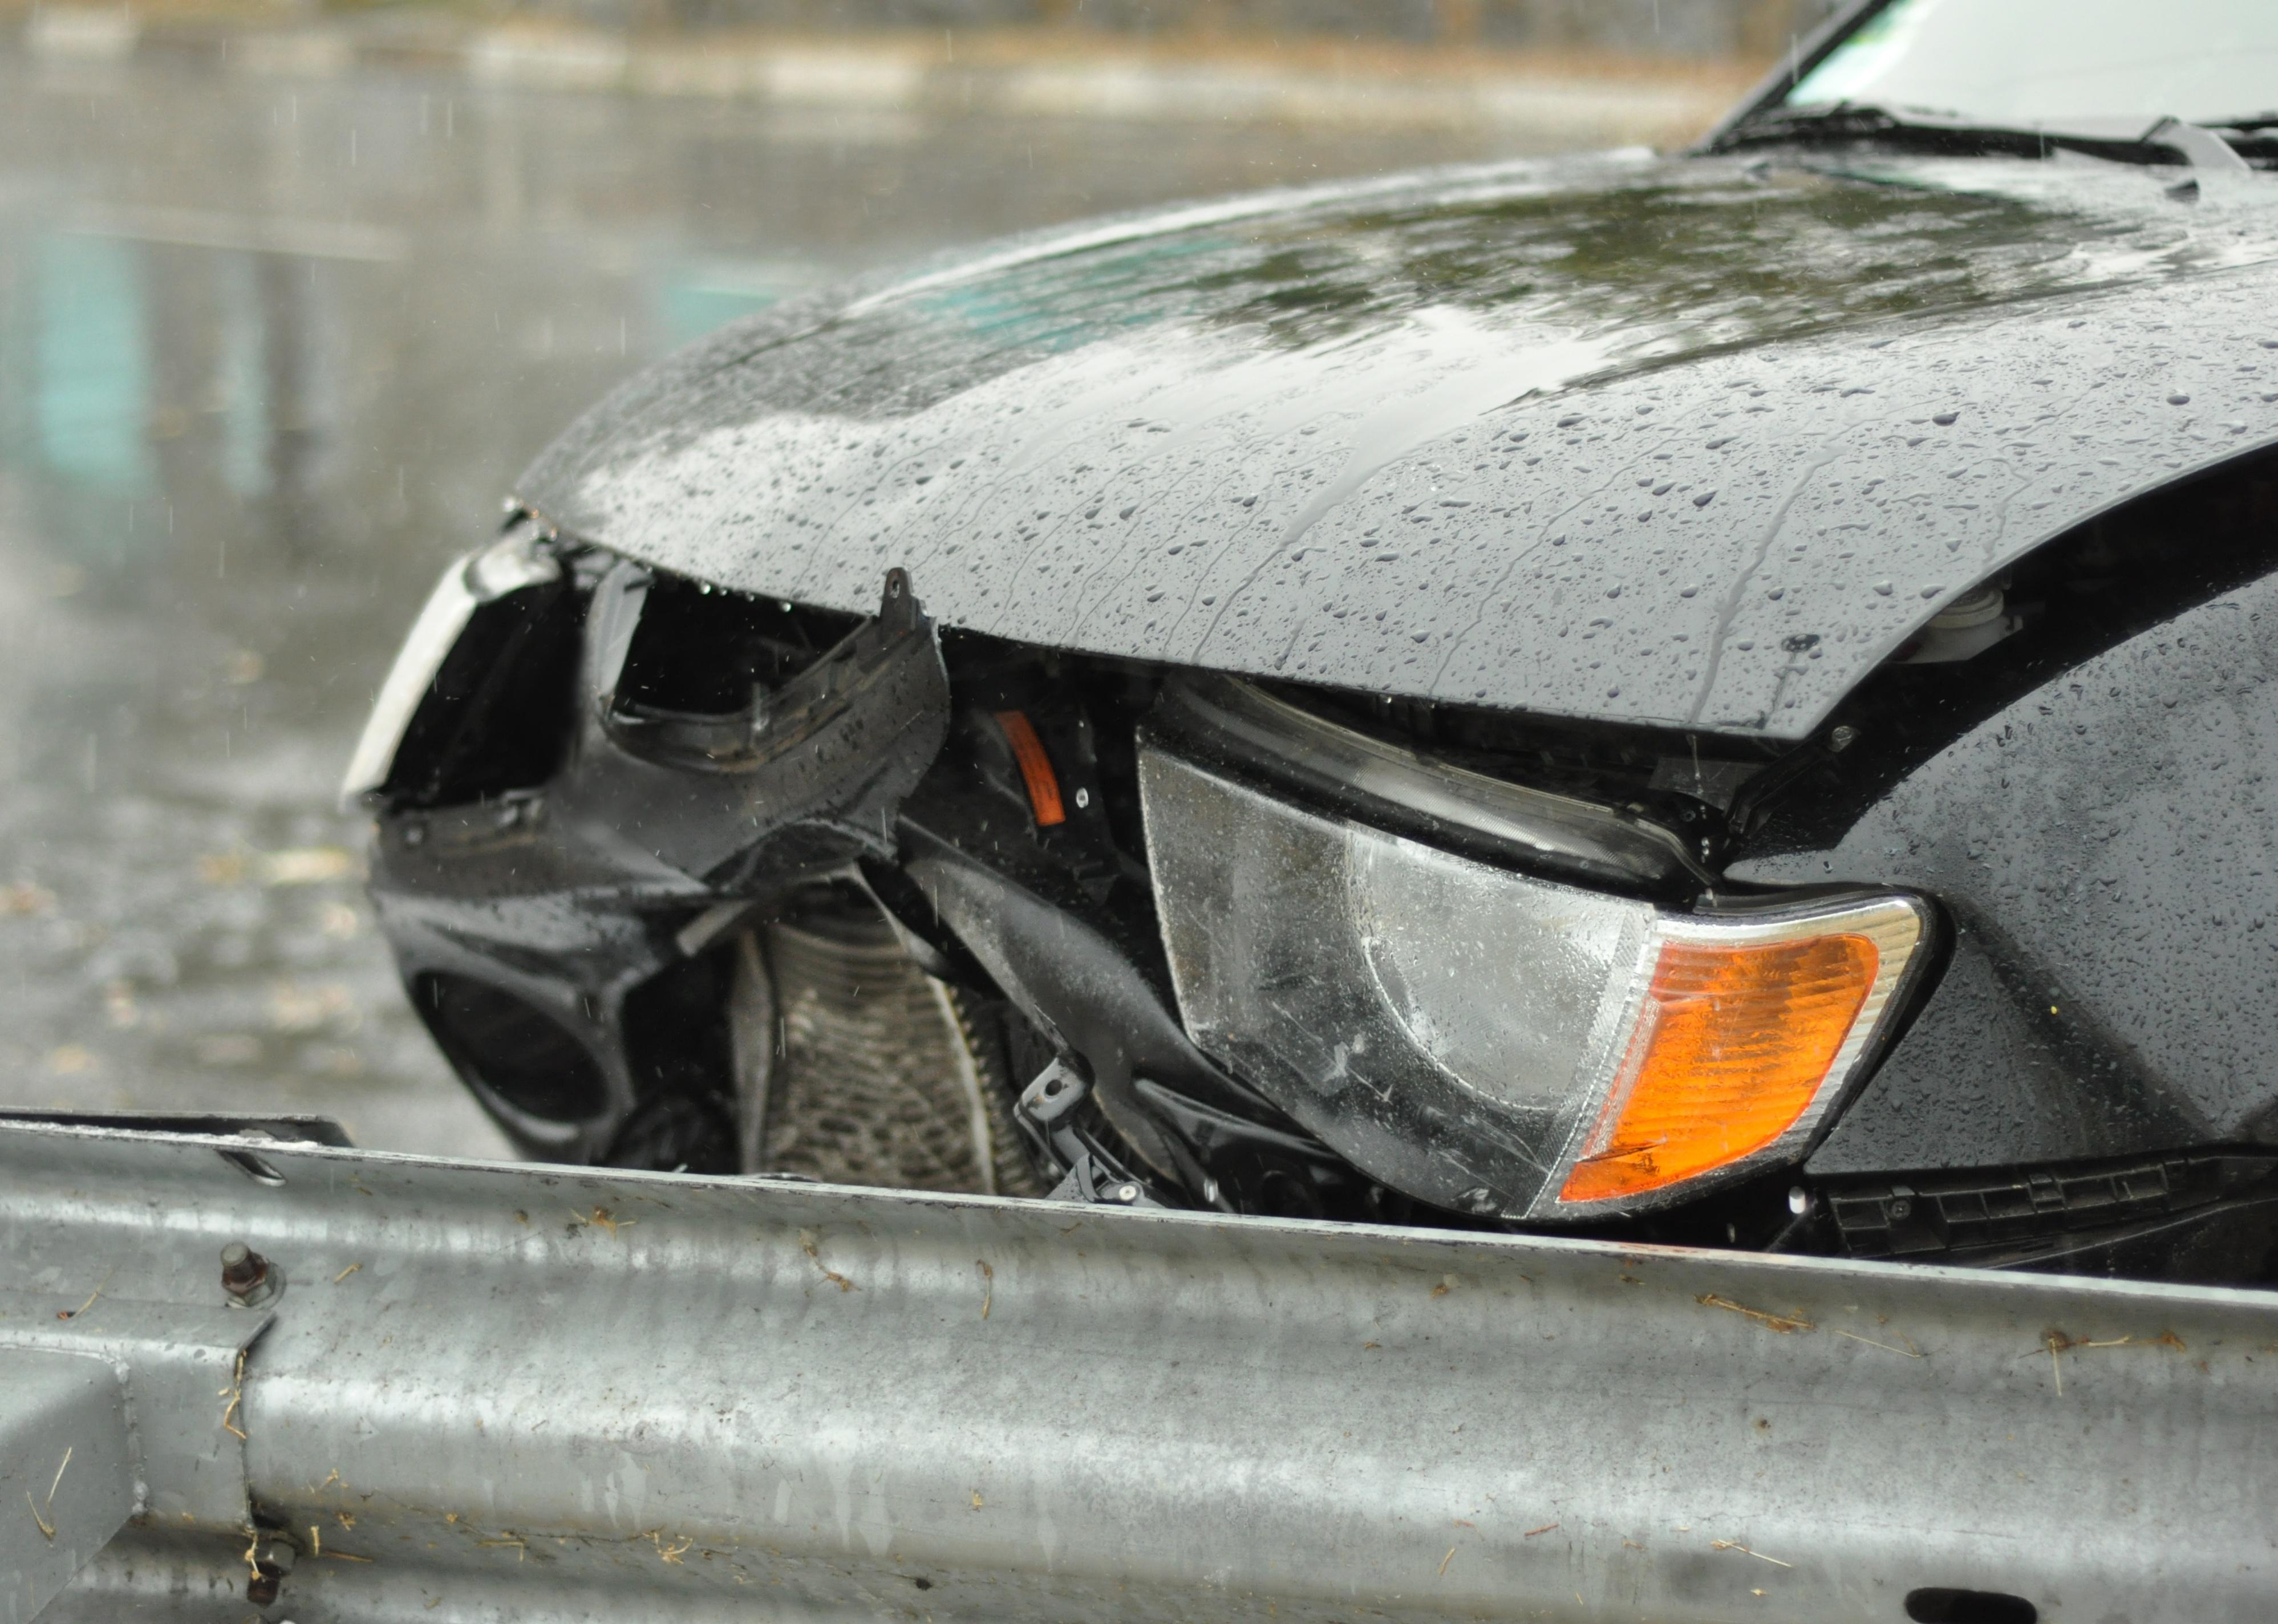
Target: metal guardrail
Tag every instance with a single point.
(547, 1393)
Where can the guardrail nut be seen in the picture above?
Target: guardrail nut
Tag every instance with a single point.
(249, 1278)
(272, 1559)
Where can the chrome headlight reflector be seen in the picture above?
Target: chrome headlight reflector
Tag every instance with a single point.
(1471, 811)
(1494, 1041)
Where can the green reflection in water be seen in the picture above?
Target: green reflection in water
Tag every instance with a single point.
(1052, 305)
(91, 381)
(242, 382)
(689, 312)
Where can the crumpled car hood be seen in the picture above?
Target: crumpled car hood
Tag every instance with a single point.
(1682, 442)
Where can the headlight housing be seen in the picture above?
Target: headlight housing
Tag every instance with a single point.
(1486, 1038)
(517, 561)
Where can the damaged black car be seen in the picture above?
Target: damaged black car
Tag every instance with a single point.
(1724, 700)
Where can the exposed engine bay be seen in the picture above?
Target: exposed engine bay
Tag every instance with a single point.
(682, 878)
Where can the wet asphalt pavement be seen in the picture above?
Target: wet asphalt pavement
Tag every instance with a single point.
(271, 351)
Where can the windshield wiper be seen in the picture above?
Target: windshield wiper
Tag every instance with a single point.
(2120, 141)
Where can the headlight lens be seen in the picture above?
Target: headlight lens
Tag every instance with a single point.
(1497, 1042)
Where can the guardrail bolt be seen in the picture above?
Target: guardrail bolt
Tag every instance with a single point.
(242, 1269)
(248, 1278)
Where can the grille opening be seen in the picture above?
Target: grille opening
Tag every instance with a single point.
(676, 1027)
(519, 1053)
(1939, 1606)
(677, 1134)
(678, 1043)
(499, 714)
(870, 1071)
(701, 650)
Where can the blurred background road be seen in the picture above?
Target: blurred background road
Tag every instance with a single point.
(288, 298)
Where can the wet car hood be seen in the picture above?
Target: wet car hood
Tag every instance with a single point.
(1672, 441)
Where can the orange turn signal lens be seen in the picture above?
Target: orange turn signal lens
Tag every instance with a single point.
(1730, 1051)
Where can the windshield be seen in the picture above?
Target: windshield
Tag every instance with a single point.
(2027, 62)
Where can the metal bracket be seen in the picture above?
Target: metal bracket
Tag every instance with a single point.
(178, 1367)
(67, 1475)
(1047, 1114)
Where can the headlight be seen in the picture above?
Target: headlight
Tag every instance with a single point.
(1492, 1041)
(517, 561)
